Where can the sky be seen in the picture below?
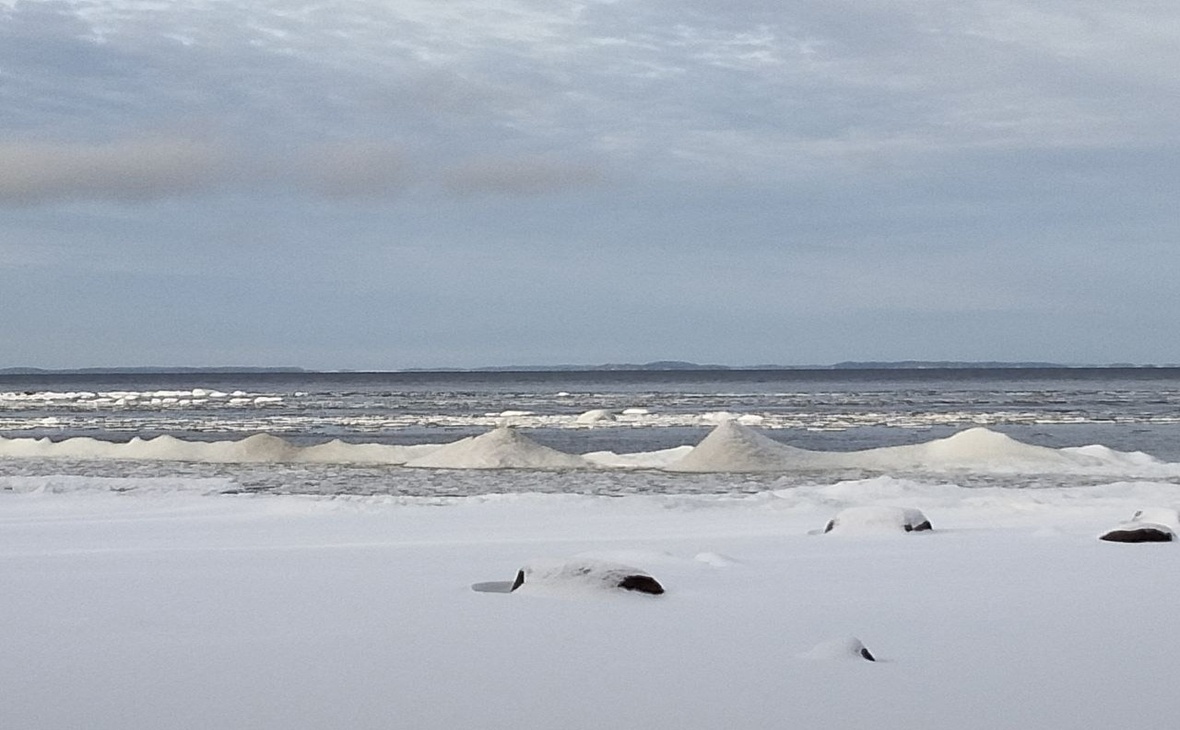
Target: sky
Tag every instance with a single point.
(367, 184)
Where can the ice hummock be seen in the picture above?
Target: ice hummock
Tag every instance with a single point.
(972, 448)
(732, 447)
(501, 448)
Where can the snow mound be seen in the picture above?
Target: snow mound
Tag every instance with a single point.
(1158, 515)
(732, 447)
(878, 519)
(975, 448)
(598, 415)
(259, 448)
(579, 575)
(839, 649)
(500, 448)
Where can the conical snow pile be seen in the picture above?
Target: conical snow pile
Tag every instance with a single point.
(974, 448)
(732, 447)
(501, 448)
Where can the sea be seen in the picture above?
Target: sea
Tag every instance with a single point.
(1126, 410)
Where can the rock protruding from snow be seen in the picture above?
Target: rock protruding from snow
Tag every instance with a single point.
(732, 447)
(501, 448)
(1137, 531)
(839, 649)
(584, 574)
(878, 519)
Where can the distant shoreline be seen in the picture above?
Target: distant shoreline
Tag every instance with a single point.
(660, 366)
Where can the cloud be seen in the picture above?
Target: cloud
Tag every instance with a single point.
(125, 171)
(353, 169)
(519, 176)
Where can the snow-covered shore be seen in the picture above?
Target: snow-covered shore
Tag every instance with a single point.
(159, 603)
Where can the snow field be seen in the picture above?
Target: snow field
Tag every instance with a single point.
(165, 608)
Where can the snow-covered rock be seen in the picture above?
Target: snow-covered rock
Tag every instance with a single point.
(1139, 531)
(576, 575)
(878, 519)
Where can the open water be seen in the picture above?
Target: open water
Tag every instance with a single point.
(1126, 409)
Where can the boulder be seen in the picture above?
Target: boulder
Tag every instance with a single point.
(1138, 531)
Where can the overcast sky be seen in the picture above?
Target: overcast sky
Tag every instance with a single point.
(381, 184)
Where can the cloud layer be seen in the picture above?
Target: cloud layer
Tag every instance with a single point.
(854, 168)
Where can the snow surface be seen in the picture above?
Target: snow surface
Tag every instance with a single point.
(143, 604)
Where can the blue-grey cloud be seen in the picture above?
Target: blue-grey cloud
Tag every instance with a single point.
(861, 180)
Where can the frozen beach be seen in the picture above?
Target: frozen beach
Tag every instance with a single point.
(305, 579)
(168, 607)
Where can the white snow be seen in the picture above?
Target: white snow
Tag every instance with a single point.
(142, 604)
(1158, 515)
(596, 415)
(843, 648)
(732, 447)
(501, 448)
(877, 519)
(973, 448)
(661, 459)
(575, 576)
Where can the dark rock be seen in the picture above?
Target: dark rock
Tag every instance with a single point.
(1142, 533)
(864, 652)
(641, 584)
(519, 580)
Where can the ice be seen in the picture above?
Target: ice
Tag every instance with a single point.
(501, 448)
(662, 459)
(973, 448)
(597, 415)
(339, 452)
(732, 447)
